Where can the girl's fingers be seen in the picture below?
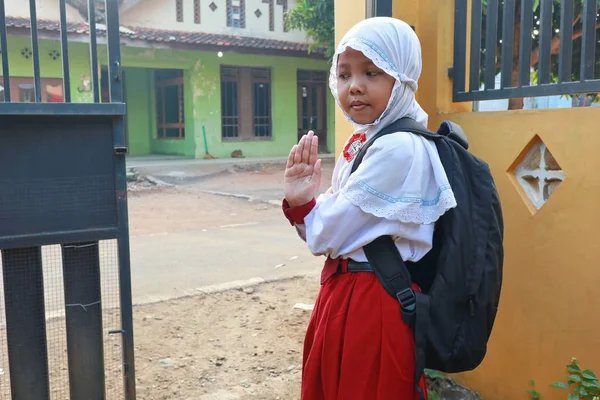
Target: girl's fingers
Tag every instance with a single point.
(299, 149)
(290, 160)
(306, 148)
(314, 150)
(317, 174)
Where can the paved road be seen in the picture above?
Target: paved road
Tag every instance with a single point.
(177, 261)
(172, 264)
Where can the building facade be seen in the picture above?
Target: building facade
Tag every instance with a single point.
(223, 76)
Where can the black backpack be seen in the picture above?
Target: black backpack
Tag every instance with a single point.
(461, 276)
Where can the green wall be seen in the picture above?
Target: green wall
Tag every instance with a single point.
(139, 101)
(202, 96)
(202, 100)
(79, 63)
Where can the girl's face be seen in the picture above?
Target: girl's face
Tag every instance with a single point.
(363, 89)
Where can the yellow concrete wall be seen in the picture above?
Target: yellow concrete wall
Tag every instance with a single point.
(548, 310)
(347, 13)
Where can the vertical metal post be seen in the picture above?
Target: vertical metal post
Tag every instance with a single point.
(26, 323)
(36, 52)
(83, 314)
(525, 47)
(383, 8)
(565, 57)
(491, 36)
(588, 44)
(378, 8)
(4, 48)
(116, 96)
(64, 44)
(475, 57)
(93, 50)
(508, 34)
(545, 38)
(460, 46)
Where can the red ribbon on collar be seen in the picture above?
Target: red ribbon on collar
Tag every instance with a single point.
(354, 145)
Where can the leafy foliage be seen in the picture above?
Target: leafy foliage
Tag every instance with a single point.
(581, 384)
(316, 18)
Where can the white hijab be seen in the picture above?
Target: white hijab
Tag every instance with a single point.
(393, 46)
(417, 191)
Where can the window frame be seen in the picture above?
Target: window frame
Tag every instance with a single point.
(179, 10)
(246, 125)
(242, 11)
(197, 12)
(16, 81)
(160, 87)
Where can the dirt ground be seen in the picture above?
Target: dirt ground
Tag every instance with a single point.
(240, 344)
(230, 345)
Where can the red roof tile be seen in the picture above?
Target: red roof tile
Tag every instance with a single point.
(163, 36)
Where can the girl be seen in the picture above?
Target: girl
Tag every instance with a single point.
(357, 346)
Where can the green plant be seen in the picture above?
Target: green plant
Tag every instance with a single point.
(534, 393)
(316, 18)
(582, 384)
(435, 379)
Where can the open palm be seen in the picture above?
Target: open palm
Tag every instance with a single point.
(302, 177)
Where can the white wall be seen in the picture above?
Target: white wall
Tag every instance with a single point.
(161, 14)
(45, 9)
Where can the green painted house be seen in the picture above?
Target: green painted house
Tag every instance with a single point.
(227, 70)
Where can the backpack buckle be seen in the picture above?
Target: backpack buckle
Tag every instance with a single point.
(407, 299)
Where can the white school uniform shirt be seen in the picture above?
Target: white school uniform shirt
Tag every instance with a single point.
(400, 189)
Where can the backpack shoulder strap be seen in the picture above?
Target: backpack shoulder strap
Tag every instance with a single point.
(401, 125)
(382, 253)
(388, 265)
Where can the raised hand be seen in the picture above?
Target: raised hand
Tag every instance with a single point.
(303, 171)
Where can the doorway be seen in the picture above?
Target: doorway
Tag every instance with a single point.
(312, 105)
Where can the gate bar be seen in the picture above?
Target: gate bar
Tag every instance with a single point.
(566, 46)
(83, 315)
(36, 52)
(4, 48)
(525, 49)
(491, 35)
(460, 48)
(588, 44)
(64, 41)
(26, 323)
(116, 96)
(508, 34)
(93, 49)
(475, 57)
(545, 38)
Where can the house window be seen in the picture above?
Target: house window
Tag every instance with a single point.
(196, 11)
(229, 102)
(312, 104)
(271, 14)
(22, 89)
(246, 103)
(179, 10)
(284, 3)
(170, 118)
(236, 13)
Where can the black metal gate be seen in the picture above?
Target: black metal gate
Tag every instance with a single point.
(66, 312)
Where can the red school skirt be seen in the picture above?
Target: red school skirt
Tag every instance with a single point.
(357, 347)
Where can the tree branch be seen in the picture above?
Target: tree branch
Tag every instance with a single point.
(555, 45)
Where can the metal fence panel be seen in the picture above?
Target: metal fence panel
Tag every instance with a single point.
(66, 326)
(492, 40)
